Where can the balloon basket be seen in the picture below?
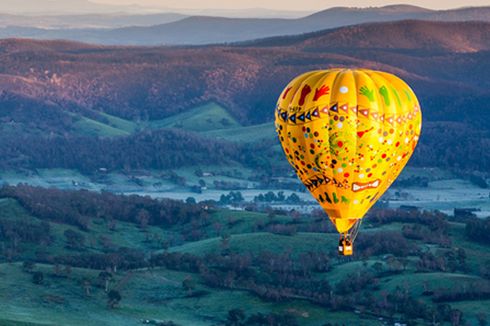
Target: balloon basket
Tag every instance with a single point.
(346, 247)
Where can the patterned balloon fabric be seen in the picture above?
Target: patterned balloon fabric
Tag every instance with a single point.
(348, 133)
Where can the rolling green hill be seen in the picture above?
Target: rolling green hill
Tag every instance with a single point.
(207, 117)
(157, 292)
(246, 134)
(210, 119)
(89, 127)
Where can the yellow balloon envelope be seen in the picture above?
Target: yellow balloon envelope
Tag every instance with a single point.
(348, 133)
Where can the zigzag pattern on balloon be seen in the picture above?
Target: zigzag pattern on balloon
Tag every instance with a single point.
(316, 113)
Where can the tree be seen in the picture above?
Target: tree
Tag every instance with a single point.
(143, 218)
(378, 267)
(28, 266)
(87, 286)
(293, 199)
(113, 298)
(456, 317)
(188, 284)
(235, 317)
(38, 278)
(198, 173)
(106, 278)
(74, 239)
(482, 319)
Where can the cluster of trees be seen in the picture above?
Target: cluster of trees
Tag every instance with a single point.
(238, 317)
(478, 230)
(442, 261)
(281, 277)
(280, 197)
(386, 242)
(429, 226)
(118, 259)
(22, 114)
(145, 150)
(479, 290)
(453, 145)
(15, 234)
(412, 181)
(79, 207)
(233, 197)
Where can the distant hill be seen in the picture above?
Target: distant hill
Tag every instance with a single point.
(207, 30)
(110, 20)
(154, 83)
(94, 90)
(407, 35)
(62, 7)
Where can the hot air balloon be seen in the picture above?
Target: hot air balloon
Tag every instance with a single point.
(348, 133)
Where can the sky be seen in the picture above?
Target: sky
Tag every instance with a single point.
(301, 5)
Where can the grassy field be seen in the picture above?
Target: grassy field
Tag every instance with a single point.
(248, 134)
(210, 117)
(158, 294)
(91, 127)
(261, 241)
(207, 117)
(155, 295)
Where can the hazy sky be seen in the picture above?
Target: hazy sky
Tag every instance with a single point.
(293, 4)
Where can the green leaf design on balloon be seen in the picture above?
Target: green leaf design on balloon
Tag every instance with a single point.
(396, 96)
(369, 93)
(384, 93)
(409, 97)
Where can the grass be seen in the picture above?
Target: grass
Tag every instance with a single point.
(207, 117)
(125, 234)
(249, 134)
(476, 253)
(91, 127)
(119, 123)
(158, 294)
(262, 241)
(210, 119)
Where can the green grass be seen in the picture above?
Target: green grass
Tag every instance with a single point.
(125, 234)
(262, 241)
(249, 134)
(158, 294)
(415, 281)
(207, 117)
(476, 253)
(119, 123)
(91, 127)
(155, 295)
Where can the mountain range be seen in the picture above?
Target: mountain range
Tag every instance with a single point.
(49, 87)
(62, 7)
(207, 30)
(101, 21)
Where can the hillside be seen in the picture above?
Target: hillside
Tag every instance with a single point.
(153, 83)
(210, 30)
(75, 90)
(406, 35)
(191, 264)
(110, 20)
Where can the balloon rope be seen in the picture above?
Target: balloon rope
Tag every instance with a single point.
(355, 230)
